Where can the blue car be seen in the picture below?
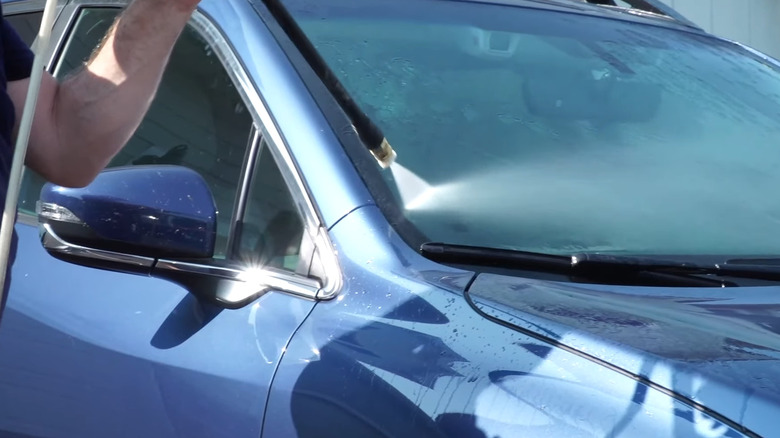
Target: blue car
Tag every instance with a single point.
(410, 218)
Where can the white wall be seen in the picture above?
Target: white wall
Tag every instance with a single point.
(752, 22)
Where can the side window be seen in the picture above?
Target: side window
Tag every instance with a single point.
(197, 119)
(26, 25)
(271, 231)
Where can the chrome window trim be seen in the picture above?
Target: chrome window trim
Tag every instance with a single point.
(265, 128)
(270, 132)
(273, 279)
(261, 115)
(254, 283)
(331, 284)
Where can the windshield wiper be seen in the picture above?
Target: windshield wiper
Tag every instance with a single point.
(604, 268)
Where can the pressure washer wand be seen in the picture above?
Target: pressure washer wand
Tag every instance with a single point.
(20, 149)
(369, 133)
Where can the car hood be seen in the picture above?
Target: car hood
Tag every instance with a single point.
(717, 347)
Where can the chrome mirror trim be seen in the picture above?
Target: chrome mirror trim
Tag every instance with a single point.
(56, 245)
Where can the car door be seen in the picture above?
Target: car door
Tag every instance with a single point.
(87, 352)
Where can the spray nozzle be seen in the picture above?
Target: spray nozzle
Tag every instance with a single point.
(384, 154)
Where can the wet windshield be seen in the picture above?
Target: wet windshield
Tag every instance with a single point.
(557, 132)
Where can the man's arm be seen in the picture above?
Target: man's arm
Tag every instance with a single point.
(83, 122)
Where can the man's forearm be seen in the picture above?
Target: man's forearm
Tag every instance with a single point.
(95, 112)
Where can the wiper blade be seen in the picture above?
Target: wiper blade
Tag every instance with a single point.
(758, 269)
(601, 268)
(655, 271)
(753, 261)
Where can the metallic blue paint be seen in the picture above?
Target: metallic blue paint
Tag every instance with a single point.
(92, 353)
(712, 345)
(156, 210)
(399, 352)
(402, 353)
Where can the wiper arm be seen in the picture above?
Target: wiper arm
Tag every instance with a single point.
(601, 268)
(500, 258)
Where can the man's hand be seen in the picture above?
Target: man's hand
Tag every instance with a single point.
(83, 122)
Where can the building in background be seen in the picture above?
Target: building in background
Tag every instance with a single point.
(751, 22)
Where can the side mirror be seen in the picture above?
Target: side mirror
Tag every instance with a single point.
(143, 211)
(159, 221)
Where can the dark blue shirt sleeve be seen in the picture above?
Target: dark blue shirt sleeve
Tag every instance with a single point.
(17, 57)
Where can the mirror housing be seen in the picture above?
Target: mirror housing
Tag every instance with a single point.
(158, 221)
(147, 211)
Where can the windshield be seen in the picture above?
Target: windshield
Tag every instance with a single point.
(556, 132)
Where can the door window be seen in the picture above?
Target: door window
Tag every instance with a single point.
(271, 230)
(197, 118)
